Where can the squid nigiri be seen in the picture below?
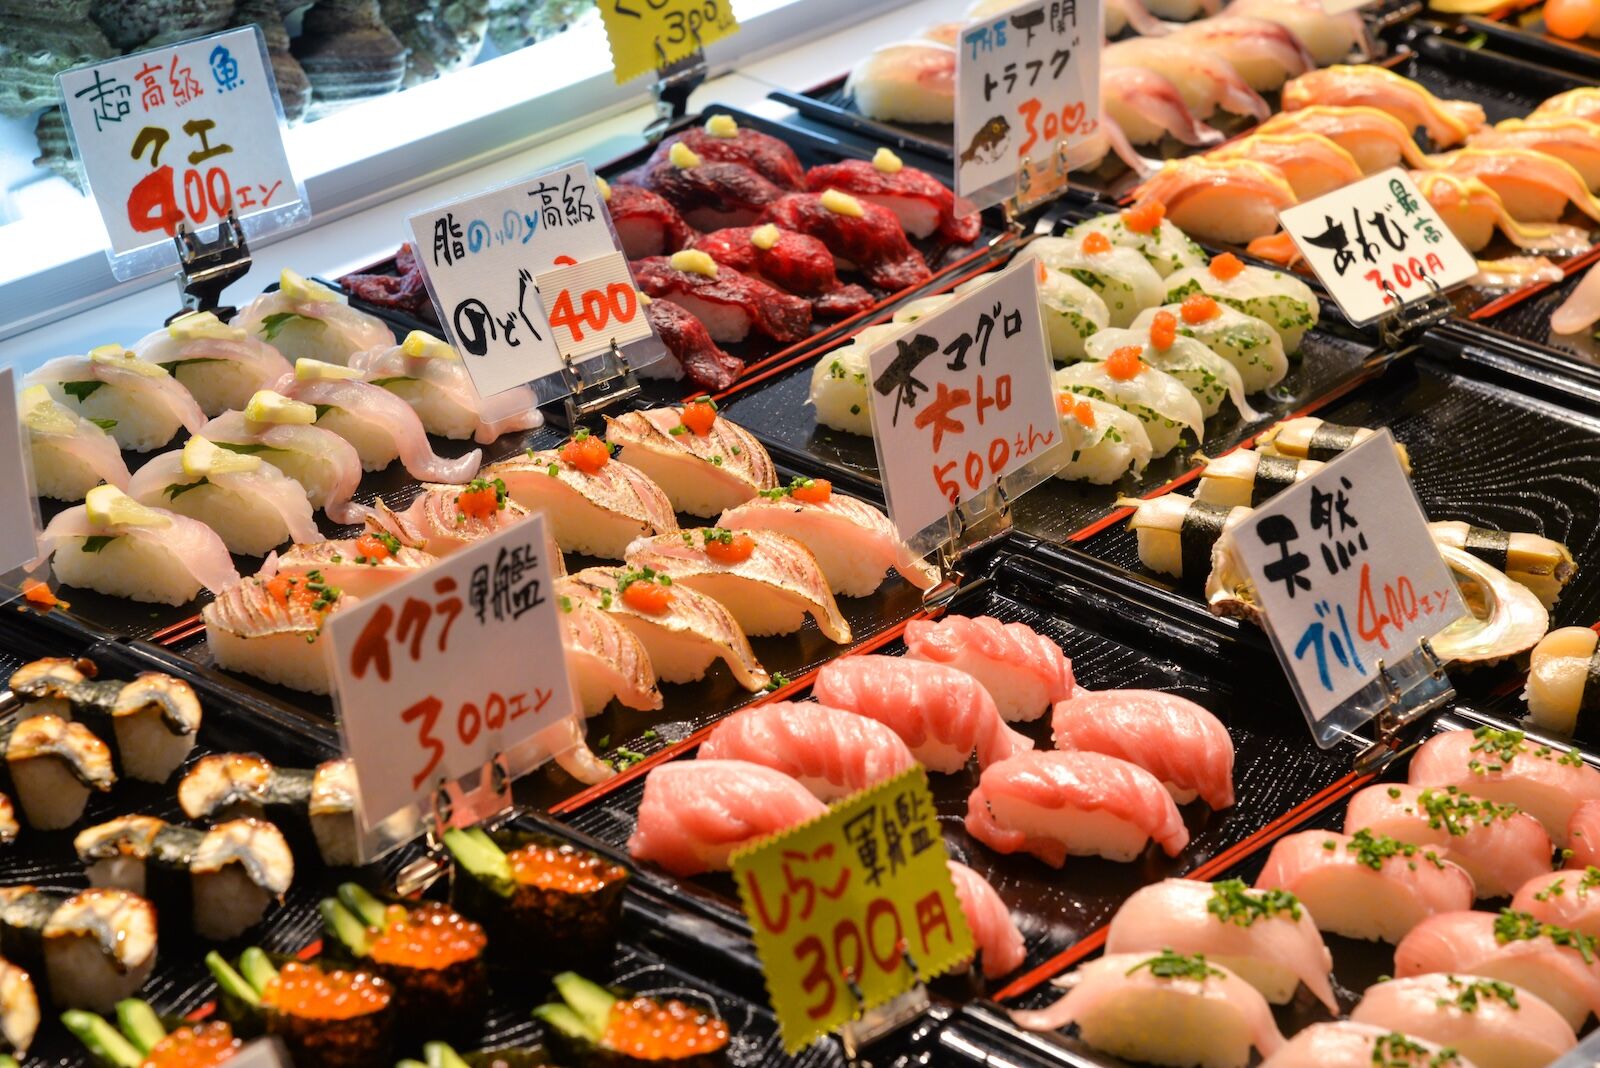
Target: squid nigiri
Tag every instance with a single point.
(1166, 248)
(606, 660)
(1224, 201)
(142, 404)
(798, 263)
(1265, 53)
(1280, 300)
(220, 364)
(68, 454)
(1534, 186)
(445, 519)
(908, 81)
(1000, 944)
(1329, 38)
(1375, 139)
(1473, 211)
(1147, 106)
(730, 304)
(1120, 275)
(280, 431)
(1254, 348)
(1583, 835)
(1508, 767)
(1024, 671)
(921, 202)
(1209, 378)
(943, 714)
(428, 374)
(830, 752)
(1099, 441)
(1205, 80)
(1310, 163)
(704, 463)
(1447, 122)
(1163, 404)
(302, 318)
(1180, 743)
(647, 224)
(696, 813)
(1566, 898)
(710, 193)
(1582, 103)
(1343, 1044)
(251, 505)
(862, 236)
(1495, 1024)
(271, 628)
(360, 566)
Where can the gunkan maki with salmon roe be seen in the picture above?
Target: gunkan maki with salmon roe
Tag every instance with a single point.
(327, 1016)
(623, 1029)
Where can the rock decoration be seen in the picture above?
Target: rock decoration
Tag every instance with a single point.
(38, 40)
(348, 54)
(294, 88)
(443, 35)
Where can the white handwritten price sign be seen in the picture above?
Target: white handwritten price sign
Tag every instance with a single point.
(961, 400)
(183, 133)
(433, 676)
(19, 515)
(647, 35)
(1378, 244)
(1346, 575)
(1027, 92)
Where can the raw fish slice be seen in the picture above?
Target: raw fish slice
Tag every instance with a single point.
(565, 743)
(1204, 79)
(1183, 10)
(1583, 103)
(683, 639)
(1506, 766)
(146, 404)
(1365, 886)
(798, 263)
(381, 426)
(1209, 378)
(1192, 1013)
(697, 813)
(1176, 534)
(1581, 309)
(1268, 940)
(1161, 402)
(1264, 53)
(721, 140)
(729, 303)
(1375, 139)
(1577, 141)
(1166, 248)
(1023, 671)
(921, 202)
(839, 381)
(1343, 1044)
(429, 375)
(1534, 186)
(830, 752)
(908, 81)
(769, 591)
(710, 194)
(1100, 442)
(1329, 38)
(1120, 275)
(1122, 14)
(68, 454)
(1146, 106)
(691, 348)
(1569, 898)
(436, 522)
(940, 712)
(1496, 1025)
(1245, 478)
(1252, 346)
(1310, 163)
(1473, 211)
(271, 628)
(219, 364)
(1554, 963)
(267, 504)
(361, 567)
(327, 467)
(1055, 805)
(701, 473)
(872, 242)
(175, 552)
(1510, 273)
(1500, 846)
(647, 223)
(1277, 298)
(605, 660)
(1448, 122)
(1224, 201)
(302, 318)
(597, 513)
(994, 932)
(1583, 835)
(1181, 744)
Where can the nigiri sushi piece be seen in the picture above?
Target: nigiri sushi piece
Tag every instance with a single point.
(839, 382)
(141, 404)
(68, 454)
(1572, 19)
(1253, 347)
(114, 545)
(219, 363)
(1575, 140)
(1000, 946)
(696, 813)
(1581, 103)
(1265, 937)
(710, 194)
(9, 827)
(1508, 767)
(1447, 122)
(1533, 186)
(1162, 403)
(684, 631)
(99, 947)
(1246, 478)
(1023, 671)
(54, 765)
(251, 505)
(446, 519)
(1072, 312)
(52, 685)
(769, 581)
(1209, 378)
(1120, 15)
(280, 431)
(1264, 53)
(1100, 442)
(1494, 1024)
(923, 204)
(1581, 308)
(798, 263)
(1365, 885)
(1565, 898)
(1180, 743)
(594, 504)
(19, 1009)
(646, 223)
(721, 139)
(1542, 564)
(704, 463)
(691, 351)
(1559, 692)
(830, 752)
(862, 236)
(1146, 106)
(606, 660)
(854, 542)
(428, 374)
(1583, 835)
(270, 628)
(1229, 201)
(305, 319)
(1120, 275)
(1059, 804)
(360, 566)
(1280, 300)
(1375, 139)
(1473, 211)
(1141, 227)
(942, 713)
(1204, 77)
(1309, 162)
(1176, 533)
(1163, 1008)
(332, 812)
(1183, 10)
(729, 303)
(1329, 38)
(907, 81)
(1500, 846)
(1342, 1044)
(381, 425)
(1307, 437)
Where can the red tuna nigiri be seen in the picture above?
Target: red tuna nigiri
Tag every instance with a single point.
(686, 337)
(993, 930)
(727, 142)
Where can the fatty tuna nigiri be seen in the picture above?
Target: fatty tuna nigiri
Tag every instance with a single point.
(1343, 1044)
(1566, 898)
(1174, 739)
(1000, 945)
(1024, 671)
(696, 813)
(1508, 767)
(1583, 834)
(1496, 1024)
(830, 752)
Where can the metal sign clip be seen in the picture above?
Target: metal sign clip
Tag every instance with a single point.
(887, 1018)
(598, 382)
(971, 525)
(206, 268)
(674, 83)
(1405, 326)
(1414, 687)
(1036, 184)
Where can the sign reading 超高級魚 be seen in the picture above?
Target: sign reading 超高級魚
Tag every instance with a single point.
(647, 35)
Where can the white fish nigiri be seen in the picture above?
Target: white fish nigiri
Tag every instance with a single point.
(143, 403)
(1140, 227)
(304, 319)
(280, 431)
(1123, 14)
(830, 752)
(1568, 898)
(1500, 846)
(1553, 962)
(1277, 298)
(1024, 671)
(441, 520)
(1583, 835)
(1265, 937)
(360, 566)
(219, 363)
(1329, 38)
(70, 455)
(1148, 106)
(429, 375)
(1507, 766)
(1000, 944)
(839, 382)
(1205, 80)
(1055, 805)
(696, 813)
(1266, 54)
(1100, 442)
(605, 660)
(1559, 669)
(704, 463)
(1581, 309)
(908, 81)
(1343, 1044)
(1165, 1009)
(1495, 1024)
(1163, 404)
(1177, 741)
(1207, 376)
(251, 505)
(1365, 885)
(1121, 276)
(1253, 347)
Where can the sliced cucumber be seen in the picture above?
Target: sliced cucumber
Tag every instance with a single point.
(342, 924)
(256, 968)
(102, 1040)
(591, 1001)
(140, 1023)
(368, 909)
(231, 981)
(440, 1055)
(481, 858)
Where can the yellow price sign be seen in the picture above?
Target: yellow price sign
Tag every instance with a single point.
(648, 35)
(855, 896)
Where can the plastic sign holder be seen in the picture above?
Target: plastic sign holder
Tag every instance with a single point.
(675, 83)
(19, 512)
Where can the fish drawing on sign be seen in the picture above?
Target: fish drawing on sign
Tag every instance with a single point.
(989, 142)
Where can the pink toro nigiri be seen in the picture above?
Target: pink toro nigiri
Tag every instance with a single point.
(1054, 805)
(1343, 1044)
(1174, 739)
(1568, 898)
(695, 814)
(1553, 962)
(605, 660)
(1365, 886)
(1583, 835)
(830, 752)
(1266, 937)
(1495, 1024)
(942, 714)
(1162, 1009)
(1000, 946)
(1500, 846)
(1024, 671)
(1507, 766)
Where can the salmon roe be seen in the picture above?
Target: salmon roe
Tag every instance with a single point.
(429, 936)
(813, 491)
(1163, 330)
(1083, 412)
(1144, 218)
(372, 547)
(307, 991)
(586, 452)
(1226, 266)
(1041, 271)
(662, 1030)
(288, 590)
(647, 597)
(699, 416)
(1198, 308)
(726, 547)
(481, 499)
(197, 1046)
(1096, 243)
(562, 868)
(1125, 363)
